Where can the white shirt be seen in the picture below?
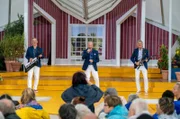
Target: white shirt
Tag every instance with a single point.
(140, 53)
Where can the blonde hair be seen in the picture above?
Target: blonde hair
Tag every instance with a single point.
(27, 96)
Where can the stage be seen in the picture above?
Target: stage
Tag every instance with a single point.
(55, 79)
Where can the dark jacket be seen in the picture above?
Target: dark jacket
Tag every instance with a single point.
(29, 54)
(134, 57)
(91, 93)
(12, 116)
(86, 58)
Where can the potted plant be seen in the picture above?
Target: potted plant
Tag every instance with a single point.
(163, 62)
(13, 44)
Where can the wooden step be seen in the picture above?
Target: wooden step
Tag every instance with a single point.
(61, 85)
(68, 71)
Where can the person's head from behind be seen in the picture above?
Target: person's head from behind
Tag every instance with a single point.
(137, 107)
(7, 106)
(145, 116)
(110, 102)
(132, 97)
(176, 90)
(28, 95)
(79, 78)
(34, 42)
(5, 96)
(140, 44)
(168, 94)
(78, 100)
(67, 111)
(90, 44)
(82, 111)
(110, 91)
(165, 106)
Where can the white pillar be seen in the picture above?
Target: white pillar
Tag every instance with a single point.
(170, 39)
(53, 43)
(117, 44)
(143, 21)
(26, 6)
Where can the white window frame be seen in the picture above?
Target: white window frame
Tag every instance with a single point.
(102, 57)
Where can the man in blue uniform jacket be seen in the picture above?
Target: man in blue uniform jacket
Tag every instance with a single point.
(140, 57)
(91, 57)
(32, 52)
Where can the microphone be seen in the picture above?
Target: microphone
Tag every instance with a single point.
(89, 50)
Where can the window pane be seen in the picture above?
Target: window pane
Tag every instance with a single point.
(95, 31)
(78, 30)
(77, 46)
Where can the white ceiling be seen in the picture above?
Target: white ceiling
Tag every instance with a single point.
(86, 10)
(153, 12)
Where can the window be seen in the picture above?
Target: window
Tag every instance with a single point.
(82, 34)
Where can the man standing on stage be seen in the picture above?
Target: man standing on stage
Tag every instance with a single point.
(91, 57)
(140, 57)
(32, 52)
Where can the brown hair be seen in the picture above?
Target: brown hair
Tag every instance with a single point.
(178, 84)
(113, 101)
(27, 96)
(78, 100)
(166, 105)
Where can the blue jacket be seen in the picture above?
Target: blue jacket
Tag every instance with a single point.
(91, 93)
(29, 54)
(177, 106)
(134, 57)
(119, 112)
(86, 58)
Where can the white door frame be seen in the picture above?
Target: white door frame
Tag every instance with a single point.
(118, 34)
(53, 31)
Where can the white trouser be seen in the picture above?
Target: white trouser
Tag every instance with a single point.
(36, 70)
(94, 73)
(137, 74)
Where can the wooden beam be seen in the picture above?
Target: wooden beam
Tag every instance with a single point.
(85, 4)
(9, 12)
(162, 12)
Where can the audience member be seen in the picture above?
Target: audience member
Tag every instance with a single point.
(167, 94)
(8, 109)
(82, 111)
(165, 109)
(130, 100)
(108, 92)
(29, 107)
(112, 91)
(80, 87)
(67, 111)
(138, 107)
(6, 96)
(145, 116)
(114, 109)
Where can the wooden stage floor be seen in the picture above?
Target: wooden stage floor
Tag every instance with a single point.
(55, 79)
